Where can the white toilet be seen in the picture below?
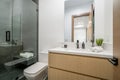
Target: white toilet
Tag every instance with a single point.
(37, 71)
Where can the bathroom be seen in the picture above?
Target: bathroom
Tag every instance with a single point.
(40, 40)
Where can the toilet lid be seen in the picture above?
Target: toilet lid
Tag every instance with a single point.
(35, 68)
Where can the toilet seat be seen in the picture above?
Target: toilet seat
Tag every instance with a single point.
(35, 69)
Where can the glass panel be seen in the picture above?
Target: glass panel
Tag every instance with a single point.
(17, 8)
(14, 19)
(5, 18)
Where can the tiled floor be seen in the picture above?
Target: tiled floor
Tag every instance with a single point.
(11, 74)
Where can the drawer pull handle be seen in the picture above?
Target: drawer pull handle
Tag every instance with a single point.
(114, 61)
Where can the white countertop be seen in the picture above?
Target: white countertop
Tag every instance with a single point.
(83, 52)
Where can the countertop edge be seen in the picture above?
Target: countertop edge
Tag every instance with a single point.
(102, 55)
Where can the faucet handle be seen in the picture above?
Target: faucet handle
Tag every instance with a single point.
(77, 44)
(77, 41)
(92, 43)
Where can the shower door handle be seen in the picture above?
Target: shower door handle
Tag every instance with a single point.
(7, 36)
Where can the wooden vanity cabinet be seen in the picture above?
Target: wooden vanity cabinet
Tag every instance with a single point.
(56, 74)
(76, 67)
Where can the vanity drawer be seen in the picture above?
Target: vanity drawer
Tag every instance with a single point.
(96, 67)
(55, 74)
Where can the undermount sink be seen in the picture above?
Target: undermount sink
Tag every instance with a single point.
(74, 50)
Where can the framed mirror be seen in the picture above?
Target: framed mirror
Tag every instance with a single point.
(79, 16)
(87, 20)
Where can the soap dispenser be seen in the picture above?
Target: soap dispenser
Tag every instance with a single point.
(83, 45)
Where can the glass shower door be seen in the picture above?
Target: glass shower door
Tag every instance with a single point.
(10, 36)
(5, 18)
(5, 25)
(16, 21)
(16, 17)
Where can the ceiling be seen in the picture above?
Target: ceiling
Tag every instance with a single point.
(69, 3)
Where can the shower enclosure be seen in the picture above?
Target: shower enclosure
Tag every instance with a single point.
(18, 32)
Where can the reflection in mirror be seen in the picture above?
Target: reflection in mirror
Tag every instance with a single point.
(82, 28)
(79, 27)
(79, 20)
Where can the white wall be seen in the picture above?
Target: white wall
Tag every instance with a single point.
(108, 36)
(51, 24)
(99, 18)
(74, 10)
(104, 20)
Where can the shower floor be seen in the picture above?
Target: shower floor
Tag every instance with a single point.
(11, 74)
